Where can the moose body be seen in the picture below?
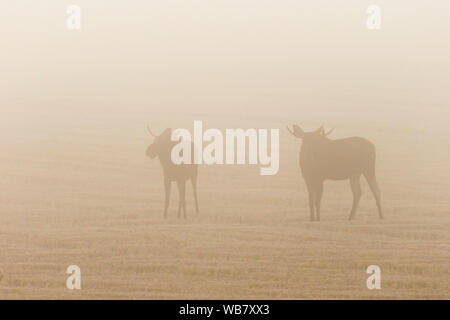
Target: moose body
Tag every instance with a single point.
(161, 148)
(323, 159)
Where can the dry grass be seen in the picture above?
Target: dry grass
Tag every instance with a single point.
(93, 200)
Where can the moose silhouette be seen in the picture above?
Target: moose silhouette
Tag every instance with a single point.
(161, 148)
(322, 158)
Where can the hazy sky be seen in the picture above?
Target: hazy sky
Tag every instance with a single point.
(216, 55)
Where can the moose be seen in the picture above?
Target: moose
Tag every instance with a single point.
(161, 148)
(322, 158)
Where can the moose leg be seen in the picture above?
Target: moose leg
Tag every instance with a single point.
(319, 192)
(311, 199)
(372, 181)
(356, 189)
(194, 188)
(167, 185)
(182, 192)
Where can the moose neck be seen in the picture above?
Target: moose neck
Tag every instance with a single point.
(165, 156)
(316, 144)
(310, 148)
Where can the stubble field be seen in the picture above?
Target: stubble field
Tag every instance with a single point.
(82, 192)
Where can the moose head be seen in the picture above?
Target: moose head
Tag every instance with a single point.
(161, 144)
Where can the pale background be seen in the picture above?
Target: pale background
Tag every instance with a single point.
(76, 188)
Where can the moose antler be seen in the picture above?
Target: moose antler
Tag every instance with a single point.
(326, 134)
(290, 131)
(151, 133)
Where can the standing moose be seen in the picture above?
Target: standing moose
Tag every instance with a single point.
(322, 158)
(161, 148)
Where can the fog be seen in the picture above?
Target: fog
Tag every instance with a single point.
(76, 185)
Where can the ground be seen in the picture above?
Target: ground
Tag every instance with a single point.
(92, 199)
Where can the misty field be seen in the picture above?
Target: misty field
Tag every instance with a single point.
(77, 189)
(83, 193)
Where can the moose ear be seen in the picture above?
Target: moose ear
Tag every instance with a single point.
(167, 133)
(321, 130)
(297, 131)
